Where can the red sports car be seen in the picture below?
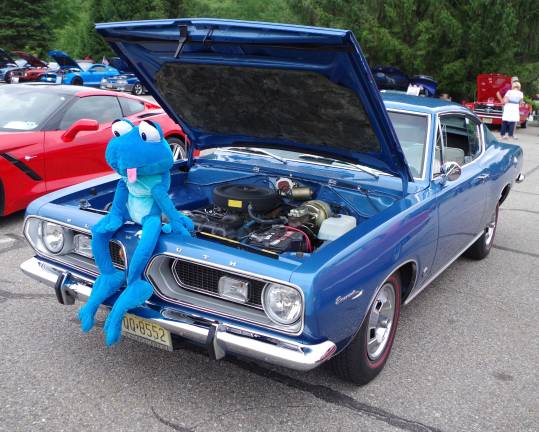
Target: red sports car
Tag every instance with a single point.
(31, 72)
(53, 136)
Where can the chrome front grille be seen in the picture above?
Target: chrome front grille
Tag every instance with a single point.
(199, 278)
(485, 109)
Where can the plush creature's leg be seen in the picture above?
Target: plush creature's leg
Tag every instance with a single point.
(138, 290)
(109, 281)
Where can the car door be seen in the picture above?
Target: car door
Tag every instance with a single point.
(95, 74)
(83, 158)
(461, 203)
(132, 109)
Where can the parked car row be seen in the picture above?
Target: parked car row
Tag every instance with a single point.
(19, 67)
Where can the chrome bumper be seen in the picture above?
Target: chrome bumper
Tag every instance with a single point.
(221, 339)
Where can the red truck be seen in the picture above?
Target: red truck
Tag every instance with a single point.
(487, 106)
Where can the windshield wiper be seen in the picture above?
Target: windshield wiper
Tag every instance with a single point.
(331, 161)
(258, 151)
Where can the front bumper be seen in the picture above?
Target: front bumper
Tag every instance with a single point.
(117, 87)
(221, 339)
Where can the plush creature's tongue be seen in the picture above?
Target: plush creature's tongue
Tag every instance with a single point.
(131, 175)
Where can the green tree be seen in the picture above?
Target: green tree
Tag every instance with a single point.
(24, 24)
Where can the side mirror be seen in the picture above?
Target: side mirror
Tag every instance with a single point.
(450, 171)
(79, 126)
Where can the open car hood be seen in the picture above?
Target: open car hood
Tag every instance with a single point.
(63, 59)
(118, 63)
(230, 82)
(5, 59)
(489, 84)
(33, 61)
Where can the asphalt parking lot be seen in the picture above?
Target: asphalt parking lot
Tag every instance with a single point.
(465, 356)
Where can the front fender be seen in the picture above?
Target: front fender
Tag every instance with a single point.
(345, 281)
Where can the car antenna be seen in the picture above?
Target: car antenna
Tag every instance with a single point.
(181, 40)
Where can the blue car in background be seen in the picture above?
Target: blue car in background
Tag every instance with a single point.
(324, 206)
(392, 78)
(127, 81)
(70, 72)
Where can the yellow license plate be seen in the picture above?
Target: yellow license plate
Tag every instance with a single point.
(146, 331)
(487, 120)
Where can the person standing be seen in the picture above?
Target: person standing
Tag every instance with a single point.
(500, 94)
(511, 110)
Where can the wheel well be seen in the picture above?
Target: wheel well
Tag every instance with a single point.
(505, 192)
(408, 274)
(175, 136)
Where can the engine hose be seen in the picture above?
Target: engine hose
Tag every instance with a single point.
(279, 220)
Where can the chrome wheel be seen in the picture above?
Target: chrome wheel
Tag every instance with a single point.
(178, 151)
(491, 229)
(138, 90)
(381, 318)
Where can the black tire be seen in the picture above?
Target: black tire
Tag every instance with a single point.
(2, 198)
(355, 364)
(177, 145)
(77, 81)
(482, 246)
(524, 125)
(138, 89)
(7, 77)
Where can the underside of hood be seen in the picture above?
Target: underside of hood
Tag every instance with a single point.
(5, 58)
(63, 59)
(32, 60)
(489, 84)
(247, 83)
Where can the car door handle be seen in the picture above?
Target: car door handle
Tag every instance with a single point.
(481, 178)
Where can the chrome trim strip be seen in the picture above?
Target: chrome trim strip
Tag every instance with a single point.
(210, 293)
(91, 270)
(427, 151)
(228, 339)
(415, 292)
(218, 313)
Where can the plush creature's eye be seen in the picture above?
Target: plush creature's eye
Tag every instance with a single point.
(148, 132)
(121, 127)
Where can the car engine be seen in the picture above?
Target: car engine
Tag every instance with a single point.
(282, 218)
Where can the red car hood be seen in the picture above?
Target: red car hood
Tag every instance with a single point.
(33, 61)
(489, 84)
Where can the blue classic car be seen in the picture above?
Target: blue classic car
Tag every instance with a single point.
(127, 81)
(71, 72)
(319, 207)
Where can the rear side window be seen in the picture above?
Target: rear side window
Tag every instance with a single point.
(131, 106)
(104, 109)
(461, 138)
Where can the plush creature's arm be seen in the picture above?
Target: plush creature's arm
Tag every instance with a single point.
(179, 223)
(115, 218)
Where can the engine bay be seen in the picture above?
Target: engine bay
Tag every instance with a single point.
(284, 216)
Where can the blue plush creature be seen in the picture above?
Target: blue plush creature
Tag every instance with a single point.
(143, 158)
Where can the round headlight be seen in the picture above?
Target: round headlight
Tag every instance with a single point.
(53, 237)
(282, 303)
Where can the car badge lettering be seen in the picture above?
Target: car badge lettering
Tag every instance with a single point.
(350, 296)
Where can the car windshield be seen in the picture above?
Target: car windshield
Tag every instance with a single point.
(411, 131)
(25, 109)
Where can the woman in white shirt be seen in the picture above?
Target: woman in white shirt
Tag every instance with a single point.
(511, 110)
